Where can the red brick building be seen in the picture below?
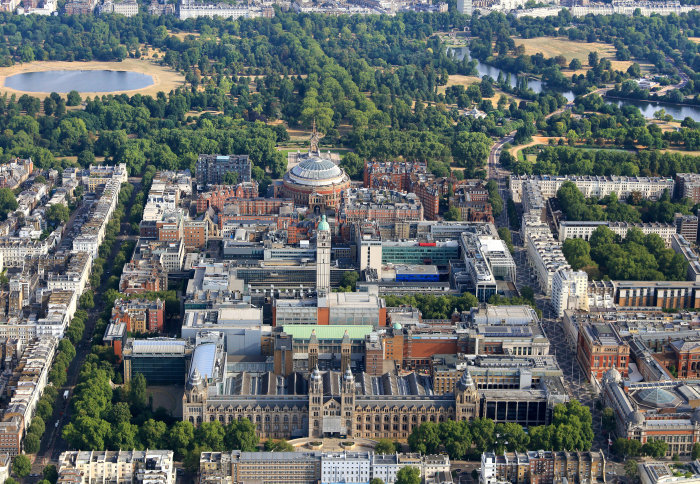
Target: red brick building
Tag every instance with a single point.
(143, 276)
(391, 175)
(430, 189)
(601, 348)
(170, 229)
(471, 198)
(139, 315)
(11, 433)
(195, 234)
(221, 195)
(363, 204)
(687, 358)
(256, 206)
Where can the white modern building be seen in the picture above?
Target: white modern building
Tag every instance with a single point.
(546, 258)
(369, 253)
(569, 291)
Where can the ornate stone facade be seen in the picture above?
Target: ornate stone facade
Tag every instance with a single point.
(329, 404)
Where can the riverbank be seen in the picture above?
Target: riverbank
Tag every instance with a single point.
(651, 101)
(164, 78)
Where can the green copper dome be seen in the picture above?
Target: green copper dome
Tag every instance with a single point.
(323, 225)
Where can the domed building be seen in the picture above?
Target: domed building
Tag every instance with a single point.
(316, 180)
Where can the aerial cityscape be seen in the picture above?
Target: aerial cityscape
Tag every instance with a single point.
(349, 241)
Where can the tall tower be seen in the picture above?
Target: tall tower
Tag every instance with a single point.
(347, 402)
(315, 404)
(465, 7)
(345, 351)
(323, 258)
(313, 351)
(467, 398)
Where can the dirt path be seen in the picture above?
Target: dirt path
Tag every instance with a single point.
(536, 140)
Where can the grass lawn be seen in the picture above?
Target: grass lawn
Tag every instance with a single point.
(552, 47)
(466, 81)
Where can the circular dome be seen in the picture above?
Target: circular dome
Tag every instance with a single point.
(316, 171)
(323, 225)
(612, 376)
(657, 397)
(397, 326)
(636, 417)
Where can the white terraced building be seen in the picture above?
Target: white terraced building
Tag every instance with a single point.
(123, 466)
(594, 186)
(584, 229)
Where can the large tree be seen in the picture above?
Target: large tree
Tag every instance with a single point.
(408, 475)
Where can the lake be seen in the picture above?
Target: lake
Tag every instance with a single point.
(78, 80)
(647, 108)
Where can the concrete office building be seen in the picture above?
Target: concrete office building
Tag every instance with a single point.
(345, 308)
(211, 169)
(369, 254)
(688, 186)
(162, 361)
(687, 226)
(486, 260)
(240, 324)
(464, 7)
(682, 246)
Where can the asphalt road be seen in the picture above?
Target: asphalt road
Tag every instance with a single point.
(52, 443)
(575, 382)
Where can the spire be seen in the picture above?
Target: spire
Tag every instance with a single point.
(315, 138)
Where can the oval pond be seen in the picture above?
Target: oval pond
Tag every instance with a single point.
(79, 80)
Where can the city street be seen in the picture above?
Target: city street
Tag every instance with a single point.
(52, 443)
(575, 382)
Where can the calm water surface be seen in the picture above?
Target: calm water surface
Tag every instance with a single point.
(647, 108)
(79, 80)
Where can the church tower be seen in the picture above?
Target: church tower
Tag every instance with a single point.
(323, 258)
